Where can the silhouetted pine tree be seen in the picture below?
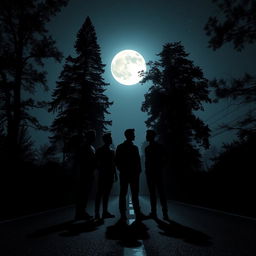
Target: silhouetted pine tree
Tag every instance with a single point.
(79, 98)
(179, 89)
(24, 44)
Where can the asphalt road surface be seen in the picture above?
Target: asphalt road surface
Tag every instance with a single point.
(192, 231)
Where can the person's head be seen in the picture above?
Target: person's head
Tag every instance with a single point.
(150, 135)
(107, 138)
(129, 134)
(90, 136)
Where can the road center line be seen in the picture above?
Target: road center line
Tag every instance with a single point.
(131, 212)
(137, 251)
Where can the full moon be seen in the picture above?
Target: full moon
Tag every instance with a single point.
(126, 65)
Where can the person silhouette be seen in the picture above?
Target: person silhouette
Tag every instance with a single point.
(106, 176)
(86, 166)
(154, 161)
(128, 163)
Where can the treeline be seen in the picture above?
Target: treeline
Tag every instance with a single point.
(228, 183)
(33, 179)
(40, 178)
(179, 89)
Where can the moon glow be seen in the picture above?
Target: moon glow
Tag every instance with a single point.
(126, 65)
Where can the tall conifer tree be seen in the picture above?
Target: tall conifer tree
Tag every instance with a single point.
(179, 89)
(79, 98)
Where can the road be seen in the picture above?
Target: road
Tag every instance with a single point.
(192, 231)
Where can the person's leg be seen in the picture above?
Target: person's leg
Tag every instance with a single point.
(87, 183)
(134, 185)
(122, 195)
(82, 198)
(152, 193)
(79, 199)
(99, 193)
(106, 193)
(162, 196)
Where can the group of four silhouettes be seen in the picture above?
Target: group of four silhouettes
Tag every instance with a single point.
(127, 160)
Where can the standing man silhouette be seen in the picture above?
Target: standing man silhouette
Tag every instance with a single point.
(105, 158)
(86, 166)
(129, 166)
(154, 160)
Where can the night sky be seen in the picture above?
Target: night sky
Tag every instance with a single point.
(144, 26)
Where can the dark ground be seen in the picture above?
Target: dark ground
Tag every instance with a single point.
(192, 231)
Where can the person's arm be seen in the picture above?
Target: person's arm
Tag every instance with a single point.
(138, 159)
(145, 158)
(114, 167)
(115, 176)
(117, 158)
(98, 158)
(163, 157)
(164, 154)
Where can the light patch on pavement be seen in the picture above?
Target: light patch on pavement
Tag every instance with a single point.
(131, 212)
(140, 250)
(130, 221)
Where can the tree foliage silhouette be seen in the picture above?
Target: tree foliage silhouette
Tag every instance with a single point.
(239, 27)
(233, 167)
(27, 152)
(47, 154)
(79, 98)
(236, 23)
(233, 171)
(179, 89)
(24, 45)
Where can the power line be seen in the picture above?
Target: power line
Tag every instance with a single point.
(223, 116)
(221, 112)
(231, 121)
(221, 130)
(219, 133)
(217, 113)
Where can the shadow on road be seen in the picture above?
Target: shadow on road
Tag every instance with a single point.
(128, 235)
(189, 235)
(68, 228)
